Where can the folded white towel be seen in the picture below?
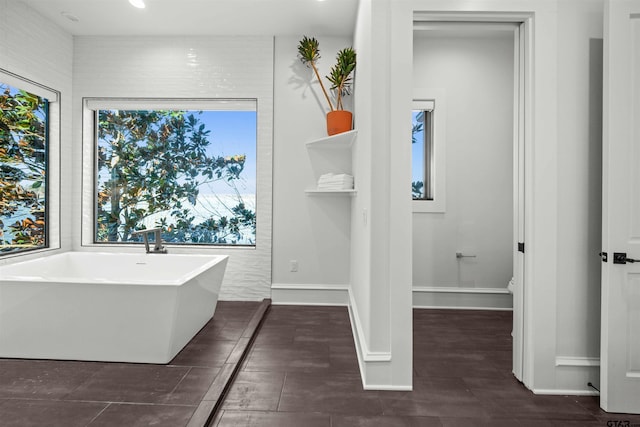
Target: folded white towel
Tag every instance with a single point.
(334, 187)
(330, 181)
(335, 178)
(343, 183)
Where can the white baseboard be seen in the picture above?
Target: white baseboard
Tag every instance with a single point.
(577, 361)
(567, 392)
(375, 366)
(573, 374)
(462, 298)
(386, 387)
(423, 297)
(309, 294)
(361, 342)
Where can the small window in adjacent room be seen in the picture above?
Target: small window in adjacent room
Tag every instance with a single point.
(187, 166)
(24, 164)
(422, 150)
(428, 146)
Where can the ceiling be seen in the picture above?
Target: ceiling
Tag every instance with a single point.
(201, 17)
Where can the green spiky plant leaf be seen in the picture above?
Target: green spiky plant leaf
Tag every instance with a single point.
(340, 74)
(309, 53)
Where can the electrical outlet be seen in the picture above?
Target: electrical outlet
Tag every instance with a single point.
(293, 265)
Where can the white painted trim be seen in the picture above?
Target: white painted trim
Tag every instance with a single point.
(476, 16)
(455, 307)
(53, 166)
(449, 290)
(573, 375)
(374, 365)
(564, 392)
(309, 294)
(377, 356)
(462, 298)
(578, 361)
(387, 387)
(362, 349)
(30, 86)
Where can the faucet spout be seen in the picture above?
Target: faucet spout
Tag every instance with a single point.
(158, 248)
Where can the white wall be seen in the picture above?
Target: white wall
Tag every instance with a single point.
(475, 71)
(579, 190)
(182, 67)
(34, 48)
(314, 231)
(380, 301)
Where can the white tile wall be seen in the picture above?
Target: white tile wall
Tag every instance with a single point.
(182, 67)
(36, 49)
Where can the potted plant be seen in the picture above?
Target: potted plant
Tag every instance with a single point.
(338, 119)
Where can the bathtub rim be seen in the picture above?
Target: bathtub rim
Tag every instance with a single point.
(18, 279)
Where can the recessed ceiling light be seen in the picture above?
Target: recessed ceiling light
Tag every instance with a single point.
(70, 16)
(137, 3)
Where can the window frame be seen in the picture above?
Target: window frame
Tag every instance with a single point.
(91, 105)
(427, 107)
(52, 161)
(437, 97)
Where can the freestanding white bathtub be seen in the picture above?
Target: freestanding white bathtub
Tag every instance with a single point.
(109, 307)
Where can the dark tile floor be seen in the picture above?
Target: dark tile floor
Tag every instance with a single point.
(47, 393)
(302, 371)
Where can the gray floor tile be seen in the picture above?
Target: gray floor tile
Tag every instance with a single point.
(273, 419)
(137, 415)
(50, 413)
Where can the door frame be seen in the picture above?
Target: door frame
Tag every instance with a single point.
(522, 350)
(522, 96)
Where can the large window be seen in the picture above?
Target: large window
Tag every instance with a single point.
(188, 167)
(24, 149)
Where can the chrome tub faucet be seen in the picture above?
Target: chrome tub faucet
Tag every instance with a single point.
(157, 248)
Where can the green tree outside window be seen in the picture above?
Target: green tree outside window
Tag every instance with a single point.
(23, 170)
(156, 168)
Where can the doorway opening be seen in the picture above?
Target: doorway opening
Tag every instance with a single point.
(468, 237)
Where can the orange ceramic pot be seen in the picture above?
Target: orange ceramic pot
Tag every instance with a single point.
(339, 121)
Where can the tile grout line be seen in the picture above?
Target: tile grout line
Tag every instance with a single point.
(100, 413)
(180, 382)
(210, 404)
(284, 382)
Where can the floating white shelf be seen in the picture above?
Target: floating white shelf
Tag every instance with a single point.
(338, 152)
(330, 192)
(341, 140)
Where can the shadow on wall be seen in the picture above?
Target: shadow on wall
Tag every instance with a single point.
(594, 217)
(302, 76)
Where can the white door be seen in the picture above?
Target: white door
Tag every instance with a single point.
(620, 342)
